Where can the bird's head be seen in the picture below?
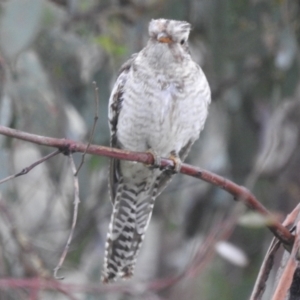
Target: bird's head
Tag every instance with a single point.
(168, 42)
(169, 31)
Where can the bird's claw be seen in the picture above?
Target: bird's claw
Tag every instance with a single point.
(156, 159)
(177, 162)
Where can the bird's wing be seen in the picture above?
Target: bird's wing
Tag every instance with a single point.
(115, 106)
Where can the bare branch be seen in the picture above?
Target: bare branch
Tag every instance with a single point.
(29, 168)
(75, 214)
(96, 89)
(243, 195)
(239, 193)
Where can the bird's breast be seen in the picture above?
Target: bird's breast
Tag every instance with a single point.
(160, 113)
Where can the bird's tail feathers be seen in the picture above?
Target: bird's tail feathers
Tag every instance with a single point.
(130, 218)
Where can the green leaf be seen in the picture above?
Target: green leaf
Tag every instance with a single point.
(253, 220)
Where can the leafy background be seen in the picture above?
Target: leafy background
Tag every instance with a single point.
(52, 51)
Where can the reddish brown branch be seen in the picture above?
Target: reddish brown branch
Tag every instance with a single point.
(239, 193)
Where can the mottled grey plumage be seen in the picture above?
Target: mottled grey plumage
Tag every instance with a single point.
(159, 103)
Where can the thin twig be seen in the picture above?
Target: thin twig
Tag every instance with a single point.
(75, 213)
(239, 193)
(96, 89)
(29, 168)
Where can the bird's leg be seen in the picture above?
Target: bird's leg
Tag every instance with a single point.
(156, 159)
(176, 160)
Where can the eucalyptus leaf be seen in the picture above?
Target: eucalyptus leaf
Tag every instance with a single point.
(253, 220)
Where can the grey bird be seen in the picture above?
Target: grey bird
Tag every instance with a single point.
(159, 103)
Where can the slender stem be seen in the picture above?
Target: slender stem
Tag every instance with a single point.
(74, 221)
(96, 89)
(29, 168)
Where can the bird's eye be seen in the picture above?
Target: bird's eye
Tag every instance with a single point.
(182, 41)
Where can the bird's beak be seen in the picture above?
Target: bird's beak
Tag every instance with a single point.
(164, 38)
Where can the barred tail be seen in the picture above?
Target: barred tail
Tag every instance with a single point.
(124, 236)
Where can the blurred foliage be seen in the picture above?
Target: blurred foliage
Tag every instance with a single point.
(109, 46)
(52, 50)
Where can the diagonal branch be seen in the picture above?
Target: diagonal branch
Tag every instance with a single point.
(239, 193)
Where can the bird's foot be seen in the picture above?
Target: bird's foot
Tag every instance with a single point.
(156, 159)
(177, 162)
